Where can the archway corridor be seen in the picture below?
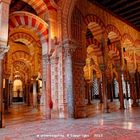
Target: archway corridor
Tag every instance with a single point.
(24, 75)
(69, 69)
(23, 97)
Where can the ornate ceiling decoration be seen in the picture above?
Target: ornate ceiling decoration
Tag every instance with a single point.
(30, 21)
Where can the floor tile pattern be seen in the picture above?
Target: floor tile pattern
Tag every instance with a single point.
(26, 123)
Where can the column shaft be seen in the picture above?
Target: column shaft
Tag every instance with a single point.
(126, 86)
(100, 90)
(121, 95)
(132, 91)
(28, 101)
(89, 94)
(105, 97)
(1, 94)
(6, 95)
(34, 94)
(48, 101)
(69, 82)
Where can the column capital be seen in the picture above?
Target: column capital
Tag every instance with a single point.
(68, 42)
(68, 51)
(69, 47)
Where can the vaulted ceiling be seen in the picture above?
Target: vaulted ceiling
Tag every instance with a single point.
(127, 10)
(24, 55)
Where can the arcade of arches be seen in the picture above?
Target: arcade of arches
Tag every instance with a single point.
(64, 55)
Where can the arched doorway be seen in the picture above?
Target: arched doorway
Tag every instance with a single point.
(17, 92)
(28, 49)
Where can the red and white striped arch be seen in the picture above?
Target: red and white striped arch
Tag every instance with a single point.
(95, 24)
(113, 33)
(51, 4)
(38, 5)
(128, 44)
(41, 6)
(96, 46)
(114, 52)
(32, 22)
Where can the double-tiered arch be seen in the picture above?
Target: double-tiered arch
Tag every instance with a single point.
(42, 7)
(31, 22)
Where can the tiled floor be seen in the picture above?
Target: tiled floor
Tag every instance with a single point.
(28, 124)
(19, 114)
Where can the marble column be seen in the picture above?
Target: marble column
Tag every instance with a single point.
(105, 96)
(137, 84)
(104, 89)
(113, 88)
(48, 101)
(4, 17)
(44, 70)
(6, 95)
(86, 91)
(121, 95)
(89, 93)
(100, 90)
(24, 93)
(27, 93)
(69, 80)
(34, 92)
(54, 86)
(126, 86)
(10, 93)
(3, 50)
(1, 92)
(62, 100)
(133, 91)
(110, 90)
(28, 90)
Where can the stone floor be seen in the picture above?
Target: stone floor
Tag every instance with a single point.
(26, 123)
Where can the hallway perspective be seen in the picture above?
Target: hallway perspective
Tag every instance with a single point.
(69, 69)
